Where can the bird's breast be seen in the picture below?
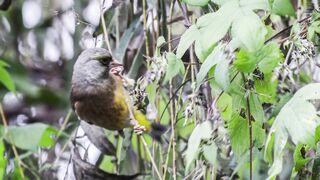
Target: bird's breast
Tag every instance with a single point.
(104, 106)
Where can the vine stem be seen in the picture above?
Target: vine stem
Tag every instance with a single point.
(248, 114)
(14, 149)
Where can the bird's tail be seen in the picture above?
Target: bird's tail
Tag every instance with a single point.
(154, 129)
(157, 130)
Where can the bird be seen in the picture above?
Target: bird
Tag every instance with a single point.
(98, 97)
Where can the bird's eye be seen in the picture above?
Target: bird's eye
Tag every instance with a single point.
(106, 61)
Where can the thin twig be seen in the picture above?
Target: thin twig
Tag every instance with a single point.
(145, 28)
(172, 104)
(105, 32)
(14, 149)
(150, 156)
(284, 30)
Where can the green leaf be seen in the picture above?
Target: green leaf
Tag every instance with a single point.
(224, 105)
(266, 58)
(210, 153)
(31, 136)
(160, 41)
(151, 91)
(3, 160)
(3, 64)
(282, 7)
(317, 134)
(249, 30)
(46, 139)
(201, 131)
(245, 62)
(215, 57)
(200, 52)
(299, 160)
(221, 74)
(239, 135)
(214, 26)
(187, 38)
(196, 2)
(174, 66)
(266, 89)
(297, 115)
(269, 57)
(255, 4)
(256, 108)
(6, 80)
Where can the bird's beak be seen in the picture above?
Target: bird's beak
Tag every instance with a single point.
(115, 64)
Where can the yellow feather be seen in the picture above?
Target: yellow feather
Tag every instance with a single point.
(142, 120)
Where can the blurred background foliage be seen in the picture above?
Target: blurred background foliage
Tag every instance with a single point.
(40, 40)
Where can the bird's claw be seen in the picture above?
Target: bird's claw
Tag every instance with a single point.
(138, 129)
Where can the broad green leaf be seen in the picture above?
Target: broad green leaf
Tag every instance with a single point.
(214, 26)
(255, 4)
(3, 64)
(201, 131)
(239, 135)
(3, 160)
(151, 91)
(160, 41)
(297, 115)
(187, 38)
(278, 106)
(317, 134)
(46, 139)
(221, 74)
(174, 66)
(299, 160)
(6, 80)
(269, 57)
(266, 89)
(245, 61)
(210, 153)
(215, 57)
(106, 164)
(196, 2)
(249, 30)
(224, 105)
(282, 7)
(266, 58)
(200, 52)
(219, 2)
(237, 92)
(31, 136)
(256, 108)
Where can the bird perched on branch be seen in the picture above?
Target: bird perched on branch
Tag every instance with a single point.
(98, 96)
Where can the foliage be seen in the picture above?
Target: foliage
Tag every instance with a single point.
(237, 92)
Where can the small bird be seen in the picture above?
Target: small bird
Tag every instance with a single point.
(98, 97)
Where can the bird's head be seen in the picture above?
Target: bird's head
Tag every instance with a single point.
(93, 67)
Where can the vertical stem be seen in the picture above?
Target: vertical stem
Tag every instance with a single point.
(248, 114)
(150, 156)
(14, 149)
(172, 108)
(105, 32)
(145, 28)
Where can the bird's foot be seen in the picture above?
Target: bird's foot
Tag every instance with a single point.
(138, 129)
